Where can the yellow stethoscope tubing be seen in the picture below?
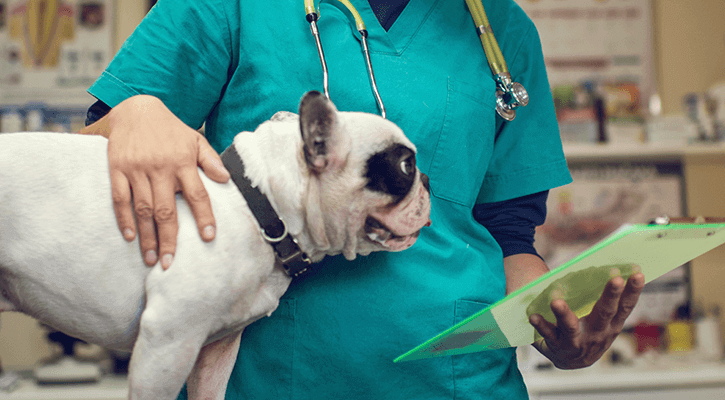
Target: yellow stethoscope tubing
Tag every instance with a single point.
(359, 23)
(310, 7)
(488, 40)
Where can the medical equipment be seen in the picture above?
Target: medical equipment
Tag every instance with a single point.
(509, 95)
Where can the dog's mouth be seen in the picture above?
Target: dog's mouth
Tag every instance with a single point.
(378, 233)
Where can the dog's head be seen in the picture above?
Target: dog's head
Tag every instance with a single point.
(366, 192)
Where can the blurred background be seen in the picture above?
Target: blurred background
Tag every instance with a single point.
(639, 89)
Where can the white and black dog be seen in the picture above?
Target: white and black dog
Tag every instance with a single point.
(342, 182)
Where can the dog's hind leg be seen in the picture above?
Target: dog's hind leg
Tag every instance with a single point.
(208, 379)
(163, 355)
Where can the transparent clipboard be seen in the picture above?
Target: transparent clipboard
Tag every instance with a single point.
(653, 249)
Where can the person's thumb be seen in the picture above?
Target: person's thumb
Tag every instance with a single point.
(99, 128)
(210, 162)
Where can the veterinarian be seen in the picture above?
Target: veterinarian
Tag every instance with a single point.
(233, 64)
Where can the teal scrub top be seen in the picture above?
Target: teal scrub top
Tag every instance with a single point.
(233, 64)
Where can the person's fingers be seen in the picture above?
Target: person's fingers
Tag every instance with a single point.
(165, 216)
(628, 300)
(121, 195)
(606, 307)
(148, 147)
(566, 321)
(546, 329)
(210, 162)
(143, 206)
(198, 199)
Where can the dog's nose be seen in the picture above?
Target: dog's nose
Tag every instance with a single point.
(426, 181)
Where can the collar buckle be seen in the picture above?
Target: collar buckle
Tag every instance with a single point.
(288, 252)
(295, 264)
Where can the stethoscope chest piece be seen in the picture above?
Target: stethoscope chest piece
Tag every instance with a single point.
(510, 96)
(503, 109)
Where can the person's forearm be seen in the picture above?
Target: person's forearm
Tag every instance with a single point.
(522, 269)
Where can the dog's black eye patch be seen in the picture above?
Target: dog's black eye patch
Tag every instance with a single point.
(392, 171)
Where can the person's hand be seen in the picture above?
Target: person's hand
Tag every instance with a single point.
(573, 343)
(152, 155)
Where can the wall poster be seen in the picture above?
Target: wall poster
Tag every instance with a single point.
(51, 51)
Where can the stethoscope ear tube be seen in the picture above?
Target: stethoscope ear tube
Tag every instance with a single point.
(371, 74)
(312, 19)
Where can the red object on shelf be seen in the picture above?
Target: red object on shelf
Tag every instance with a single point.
(648, 337)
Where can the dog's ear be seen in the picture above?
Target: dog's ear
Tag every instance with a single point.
(324, 146)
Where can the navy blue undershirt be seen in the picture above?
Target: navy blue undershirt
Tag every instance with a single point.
(387, 11)
(512, 223)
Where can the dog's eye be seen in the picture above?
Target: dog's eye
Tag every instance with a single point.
(392, 171)
(407, 165)
(404, 167)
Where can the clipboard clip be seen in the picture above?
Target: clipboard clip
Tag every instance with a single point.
(698, 220)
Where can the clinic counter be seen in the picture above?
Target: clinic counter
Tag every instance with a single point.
(695, 382)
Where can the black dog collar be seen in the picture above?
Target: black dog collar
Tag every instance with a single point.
(274, 231)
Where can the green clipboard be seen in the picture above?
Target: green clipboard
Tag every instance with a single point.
(655, 249)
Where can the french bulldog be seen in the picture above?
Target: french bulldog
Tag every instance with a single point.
(342, 182)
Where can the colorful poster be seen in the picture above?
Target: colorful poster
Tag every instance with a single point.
(51, 51)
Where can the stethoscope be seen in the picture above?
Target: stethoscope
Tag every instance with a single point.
(509, 95)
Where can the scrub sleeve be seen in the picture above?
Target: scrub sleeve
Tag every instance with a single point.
(233, 64)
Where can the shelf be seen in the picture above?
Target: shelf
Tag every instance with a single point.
(639, 152)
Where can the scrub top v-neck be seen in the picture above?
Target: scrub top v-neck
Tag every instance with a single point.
(398, 36)
(233, 64)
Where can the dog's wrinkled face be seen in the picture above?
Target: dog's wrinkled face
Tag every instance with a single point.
(371, 194)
